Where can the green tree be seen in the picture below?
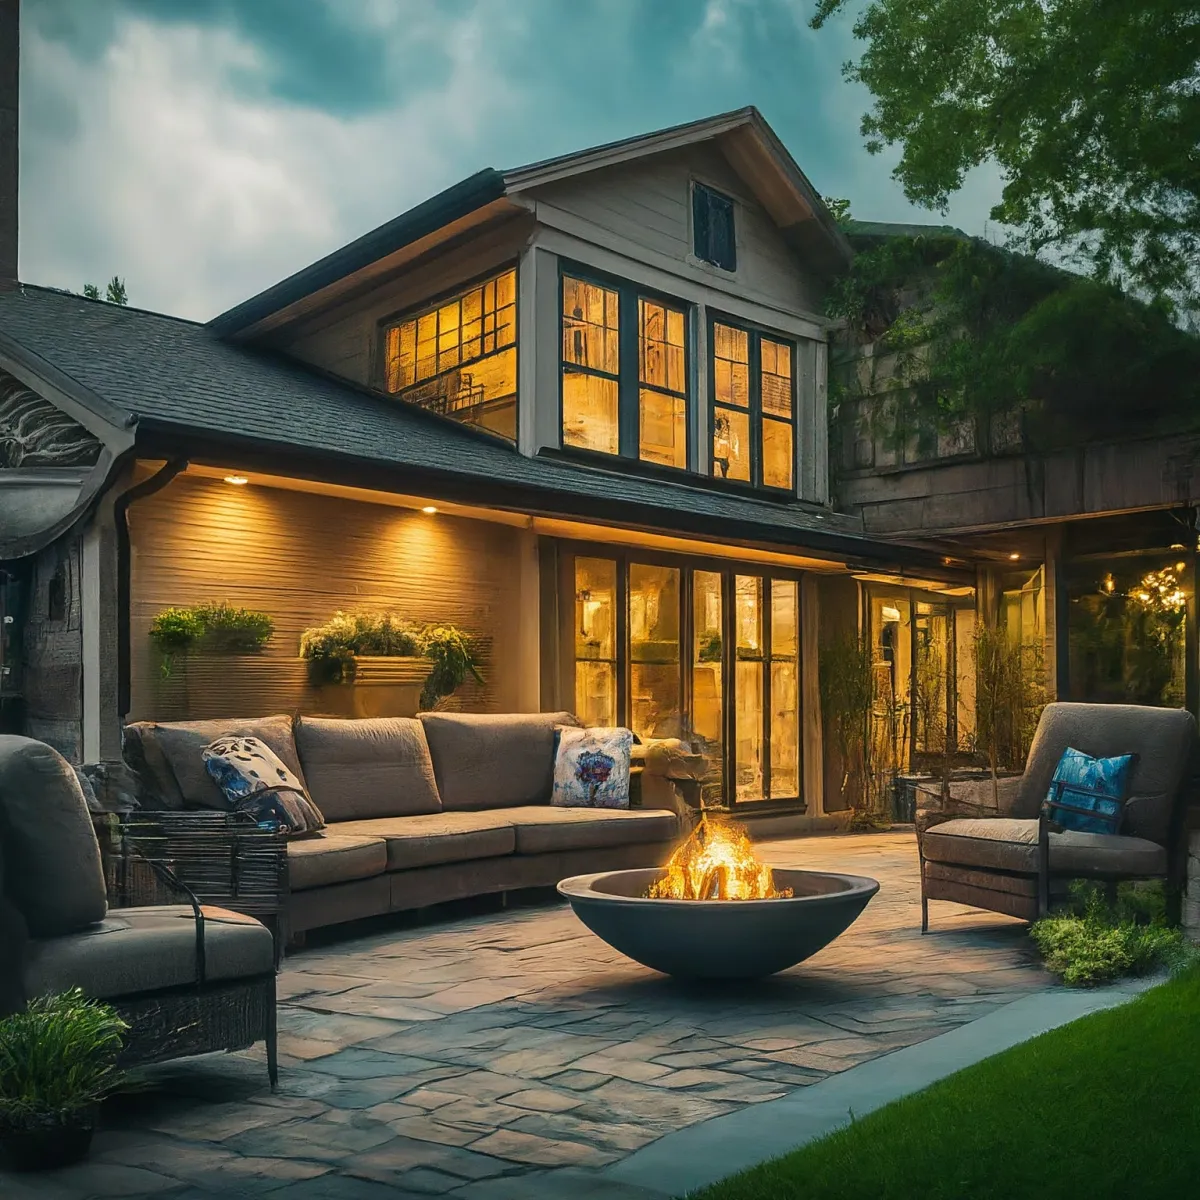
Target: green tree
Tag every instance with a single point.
(114, 293)
(1090, 108)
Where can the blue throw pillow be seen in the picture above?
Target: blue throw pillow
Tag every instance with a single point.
(1088, 794)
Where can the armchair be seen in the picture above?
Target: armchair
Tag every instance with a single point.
(1009, 857)
(189, 978)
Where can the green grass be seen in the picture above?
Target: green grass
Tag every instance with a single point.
(1108, 1106)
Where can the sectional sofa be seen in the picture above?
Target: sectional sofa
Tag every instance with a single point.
(426, 809)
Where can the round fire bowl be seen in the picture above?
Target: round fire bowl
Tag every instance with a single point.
(718, 939)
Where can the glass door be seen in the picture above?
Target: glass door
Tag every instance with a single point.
(708, 678)
(655, 678)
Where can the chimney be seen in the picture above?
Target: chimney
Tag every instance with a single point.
(10, 63)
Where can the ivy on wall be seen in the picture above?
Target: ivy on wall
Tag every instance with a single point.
(942, 329)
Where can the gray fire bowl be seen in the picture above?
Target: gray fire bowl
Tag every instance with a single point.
(718, 939)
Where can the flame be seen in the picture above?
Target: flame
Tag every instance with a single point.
(716, 863)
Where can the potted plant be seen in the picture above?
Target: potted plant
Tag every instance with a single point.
(395, 665)
(209, 628)
(58, 1061)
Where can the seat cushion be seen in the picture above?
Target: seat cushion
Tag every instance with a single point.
(541, 830)
(136, 950)
(182, 743)
(334, 858)
(428, 839)
(52, 860)
(491, 761)
(1010, 844)
(378, 767)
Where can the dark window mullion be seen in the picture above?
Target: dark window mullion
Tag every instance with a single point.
(756, 474)
(768, 599)
(622, 642)
(628, 400)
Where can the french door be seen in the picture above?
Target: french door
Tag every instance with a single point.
(697, 650)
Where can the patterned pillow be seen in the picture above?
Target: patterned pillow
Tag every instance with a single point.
(1088, 794)
(254, 780)
(591, 767)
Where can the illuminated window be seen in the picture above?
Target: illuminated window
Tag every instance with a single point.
(753, 408)
(460, 357)
(616, 403)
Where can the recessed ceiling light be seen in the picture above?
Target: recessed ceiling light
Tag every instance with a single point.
(236, 480)
(1014, 556)
(429, 508)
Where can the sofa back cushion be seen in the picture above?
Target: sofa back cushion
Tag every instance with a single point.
(483, 760)
(1163, 739)
(378, 767)
(177, 749)
(52, 864)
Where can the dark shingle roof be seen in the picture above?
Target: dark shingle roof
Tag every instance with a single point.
(179, 381)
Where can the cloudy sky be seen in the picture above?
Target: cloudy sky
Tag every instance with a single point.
(204, 149)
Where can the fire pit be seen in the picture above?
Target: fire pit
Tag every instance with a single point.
(715, 912)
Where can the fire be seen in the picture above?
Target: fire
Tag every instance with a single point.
(716, 863)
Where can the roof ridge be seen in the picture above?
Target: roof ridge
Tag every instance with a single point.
(127, 308)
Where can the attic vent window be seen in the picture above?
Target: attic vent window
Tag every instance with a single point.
(712, 228)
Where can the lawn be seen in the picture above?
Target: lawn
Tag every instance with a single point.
(1108, 1106)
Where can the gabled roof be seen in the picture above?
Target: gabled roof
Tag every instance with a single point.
(890, 229)
(748, 142)
(187, 392)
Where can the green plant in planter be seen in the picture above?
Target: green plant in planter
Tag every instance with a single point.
(214, 628)
(57, 1063)
(331, 649)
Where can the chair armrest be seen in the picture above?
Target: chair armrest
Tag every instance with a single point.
(222, 858)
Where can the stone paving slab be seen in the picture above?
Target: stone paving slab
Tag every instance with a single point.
(514, 1054)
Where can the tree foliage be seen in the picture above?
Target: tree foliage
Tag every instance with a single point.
(1090, 108)
(114, 293)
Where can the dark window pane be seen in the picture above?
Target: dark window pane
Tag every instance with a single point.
(713, 238)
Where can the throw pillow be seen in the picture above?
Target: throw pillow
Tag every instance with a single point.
(1088, 794)
(591, 767)
(254, 780)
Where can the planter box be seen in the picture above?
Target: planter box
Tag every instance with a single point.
(382, 687)
(205, 687)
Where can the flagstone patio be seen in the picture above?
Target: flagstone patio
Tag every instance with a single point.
(514, 1054)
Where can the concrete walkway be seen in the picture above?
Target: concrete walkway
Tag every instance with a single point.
(514, 1054)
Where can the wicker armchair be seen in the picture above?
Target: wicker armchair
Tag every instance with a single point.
(1004, 854)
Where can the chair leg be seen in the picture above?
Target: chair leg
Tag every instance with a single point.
(924, 901)
(272, 1043)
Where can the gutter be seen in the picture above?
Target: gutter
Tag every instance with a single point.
(139, 491)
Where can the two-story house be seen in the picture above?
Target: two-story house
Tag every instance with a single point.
(577, 409)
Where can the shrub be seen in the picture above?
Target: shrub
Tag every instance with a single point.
(1091, 941)
(58, 1057)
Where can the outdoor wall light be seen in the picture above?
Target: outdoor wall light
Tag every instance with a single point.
(429, 508)
(1014, 556)
(236, 480)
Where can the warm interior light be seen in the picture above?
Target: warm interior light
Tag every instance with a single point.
(429, 508)
(236, 480)
(1014, 556)
(1178, 546)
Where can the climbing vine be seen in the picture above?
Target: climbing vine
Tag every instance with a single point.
(941, 329)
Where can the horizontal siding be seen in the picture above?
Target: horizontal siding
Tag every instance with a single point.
(648, 203)
(300, 558)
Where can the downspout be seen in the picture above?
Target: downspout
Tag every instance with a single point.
(139, 491)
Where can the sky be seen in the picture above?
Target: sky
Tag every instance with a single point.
(205, 149)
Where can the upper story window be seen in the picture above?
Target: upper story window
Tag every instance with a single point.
(624, 372)
(459, 358)
(753, 407)
(713, 237)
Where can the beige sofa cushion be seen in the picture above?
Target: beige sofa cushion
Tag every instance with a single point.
(545, 830)
(144, 949)
(1011, 844)
(52, 860)
(181, 744)
(426, 840)
(378, 767)
(337, 858)
(483, 760)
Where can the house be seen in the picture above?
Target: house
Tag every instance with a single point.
(578, 409)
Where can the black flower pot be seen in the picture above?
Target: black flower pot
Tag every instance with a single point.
(38, 1145)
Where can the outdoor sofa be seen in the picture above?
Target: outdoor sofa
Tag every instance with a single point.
(188, 978)
(999, 849)
(419, 810)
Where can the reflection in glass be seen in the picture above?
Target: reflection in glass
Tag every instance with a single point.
(707, 696)
(655, 693)
(596, 640)
(591, 365)
(748, 687)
